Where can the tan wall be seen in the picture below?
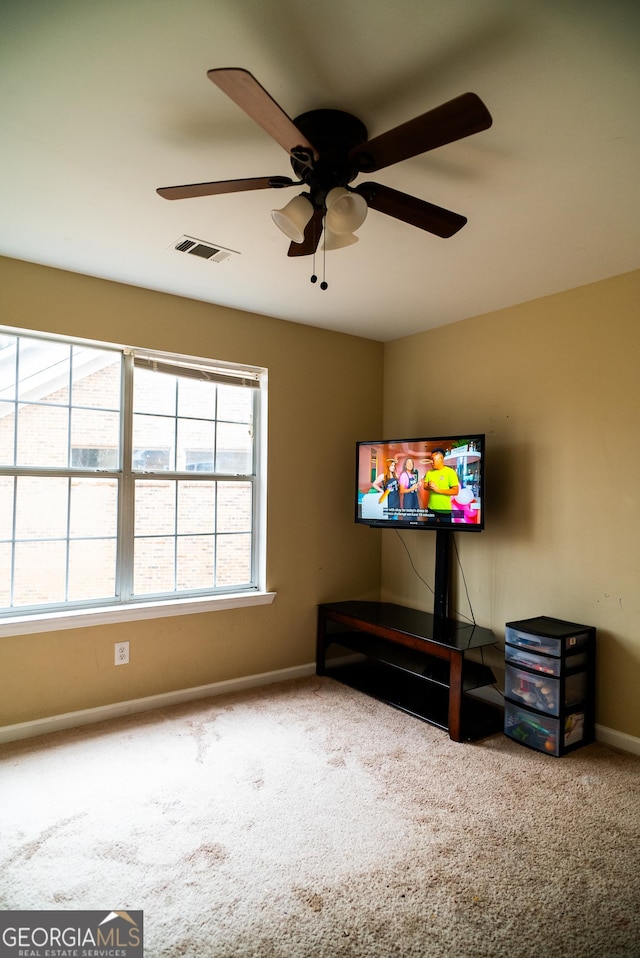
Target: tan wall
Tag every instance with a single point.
(320, 403)
(554, 384)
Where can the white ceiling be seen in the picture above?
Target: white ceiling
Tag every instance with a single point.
(103, 101)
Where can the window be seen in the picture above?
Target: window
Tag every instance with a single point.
(125, 476)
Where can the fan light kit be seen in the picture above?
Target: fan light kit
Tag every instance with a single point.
(328, 149)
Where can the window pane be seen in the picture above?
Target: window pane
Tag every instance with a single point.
(7, 430)
(41, 507)
(155, 507)
(153, 443)
(94, 508)
(199, 460)
(92, 569)
(96, 378)
(234, 449)
(40, 572)
(196, 507)
(8, 353)
(43, 436)
(152, 460)
(95, 428)
(196, 438)
(5, 575)
(233, 560)
(154, 392)
(43, 370)
(6, 507)
(195, 562)
(235, 403)
(154, 566)
(83, 457)
(196, 398)
(234, 506)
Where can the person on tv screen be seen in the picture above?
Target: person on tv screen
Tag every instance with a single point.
(388, 485)
(409, 483)
(442, 484)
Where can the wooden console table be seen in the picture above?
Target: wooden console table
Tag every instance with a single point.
(413, 660)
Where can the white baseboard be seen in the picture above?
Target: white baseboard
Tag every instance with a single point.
(56, 723)
(626, 743)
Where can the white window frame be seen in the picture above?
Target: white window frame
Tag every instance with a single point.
(121, 610)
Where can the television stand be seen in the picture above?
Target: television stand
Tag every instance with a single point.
(412, 660)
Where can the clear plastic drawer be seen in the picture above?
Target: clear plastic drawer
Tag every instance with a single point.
(538, 692)
(542, 732)
(539, 663)
(543, 693)
(549, 645)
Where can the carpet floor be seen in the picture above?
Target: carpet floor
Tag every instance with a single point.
(306, 820)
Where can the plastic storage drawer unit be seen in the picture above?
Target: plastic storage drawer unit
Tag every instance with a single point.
(549, 684)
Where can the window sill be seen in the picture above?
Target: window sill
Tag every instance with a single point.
(106, 615)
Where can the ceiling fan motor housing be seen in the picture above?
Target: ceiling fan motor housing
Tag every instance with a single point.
(334, 134)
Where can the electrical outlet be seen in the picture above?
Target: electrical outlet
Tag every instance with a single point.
(122, 653)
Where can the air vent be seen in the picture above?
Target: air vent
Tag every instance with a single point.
(208, 251)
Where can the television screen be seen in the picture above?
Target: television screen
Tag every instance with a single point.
(428, 483)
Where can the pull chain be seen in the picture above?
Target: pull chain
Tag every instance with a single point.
(314, 278)
(324, 284)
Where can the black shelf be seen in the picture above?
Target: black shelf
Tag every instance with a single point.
(474, 674)
(412, 660)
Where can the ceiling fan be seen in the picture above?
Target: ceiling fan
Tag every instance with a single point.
(328, 149)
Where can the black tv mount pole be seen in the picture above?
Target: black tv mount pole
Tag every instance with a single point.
(443, 562)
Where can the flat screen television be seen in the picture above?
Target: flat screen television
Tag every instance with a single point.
(434, 482)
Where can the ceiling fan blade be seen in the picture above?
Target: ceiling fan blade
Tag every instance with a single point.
(460, 117)
(410, 209)
(243, 88)
(224, 186)
(312, 234)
